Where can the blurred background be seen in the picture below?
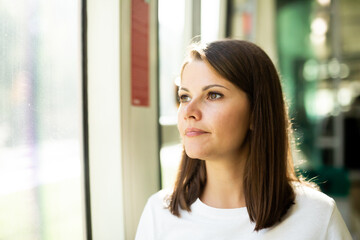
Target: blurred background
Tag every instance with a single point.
(88, 103)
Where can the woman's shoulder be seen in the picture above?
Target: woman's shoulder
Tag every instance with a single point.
(160, 199)
(310, 194)
(314, 214)
(311, 200)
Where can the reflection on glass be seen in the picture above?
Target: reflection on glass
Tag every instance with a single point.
(40, 120)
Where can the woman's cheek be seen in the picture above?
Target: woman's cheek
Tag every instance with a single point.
(235, 123)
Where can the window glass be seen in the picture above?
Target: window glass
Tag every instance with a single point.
(175, 20)
(172, 45)
(210, 15)
(41, 193)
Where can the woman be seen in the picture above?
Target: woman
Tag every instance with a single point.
(236, 179)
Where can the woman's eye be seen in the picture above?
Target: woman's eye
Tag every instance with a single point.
(184, 98)
(213, 95)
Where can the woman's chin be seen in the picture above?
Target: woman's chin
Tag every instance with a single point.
(195, 154)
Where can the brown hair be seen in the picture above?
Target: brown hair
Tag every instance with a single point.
(269, 168)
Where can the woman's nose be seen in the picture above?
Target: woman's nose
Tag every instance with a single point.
(193, 110)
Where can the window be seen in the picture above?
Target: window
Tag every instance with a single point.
(41, 193)
(180, 23)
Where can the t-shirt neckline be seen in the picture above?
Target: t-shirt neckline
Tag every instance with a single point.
(198, 207)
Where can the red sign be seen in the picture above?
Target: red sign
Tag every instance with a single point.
(140, 86)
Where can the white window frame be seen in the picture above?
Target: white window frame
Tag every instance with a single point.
(123, 139)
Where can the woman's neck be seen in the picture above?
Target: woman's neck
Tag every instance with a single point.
(224, 184)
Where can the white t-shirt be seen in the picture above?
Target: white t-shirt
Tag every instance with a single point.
(314, 216)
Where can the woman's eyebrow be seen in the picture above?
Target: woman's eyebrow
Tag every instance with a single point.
(205, 88)
(214, 85)
(184, 89)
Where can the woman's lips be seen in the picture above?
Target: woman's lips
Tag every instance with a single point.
(193, 132)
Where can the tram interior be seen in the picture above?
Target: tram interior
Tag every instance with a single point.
(79, 156)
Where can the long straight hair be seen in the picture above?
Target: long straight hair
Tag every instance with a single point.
(269, 167)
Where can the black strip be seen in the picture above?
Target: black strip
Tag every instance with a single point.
(229, 15)
(85, 120)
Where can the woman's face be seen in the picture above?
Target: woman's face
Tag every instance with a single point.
(214, 114)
